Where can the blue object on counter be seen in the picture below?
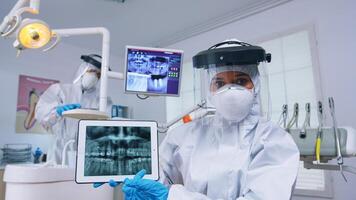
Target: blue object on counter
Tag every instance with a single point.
(37, 155)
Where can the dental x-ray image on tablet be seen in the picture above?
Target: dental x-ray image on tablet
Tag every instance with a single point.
(153, 71)
(116, 150)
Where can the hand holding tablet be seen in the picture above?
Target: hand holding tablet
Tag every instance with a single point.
(139, 188)
(116, 150)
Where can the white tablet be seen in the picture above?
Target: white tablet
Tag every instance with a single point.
(116, 149)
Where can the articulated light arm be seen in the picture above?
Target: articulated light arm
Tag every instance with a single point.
(35, 5)
(105, 74)
(17, 10)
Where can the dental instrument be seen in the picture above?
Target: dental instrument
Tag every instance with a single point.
(306, 123)
(199, 110)
(294, 119)
(284, 116)
(320, 131)
(339, 158)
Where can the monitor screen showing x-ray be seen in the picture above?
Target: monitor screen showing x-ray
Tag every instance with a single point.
(153, 71)
(116, 150)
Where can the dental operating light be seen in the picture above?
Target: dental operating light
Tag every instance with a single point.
(33, 34)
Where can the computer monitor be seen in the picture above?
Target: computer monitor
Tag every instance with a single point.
(153, 71)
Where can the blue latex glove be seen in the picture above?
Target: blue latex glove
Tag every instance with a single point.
(61, 109)
(112, 183)
(138, 188)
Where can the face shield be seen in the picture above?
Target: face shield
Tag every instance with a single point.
(88, 73)
(231, 79)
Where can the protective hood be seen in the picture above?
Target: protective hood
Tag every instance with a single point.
(83, 68)
(233, 56)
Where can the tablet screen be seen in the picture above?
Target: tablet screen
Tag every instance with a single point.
(111, 150)
(116, 149)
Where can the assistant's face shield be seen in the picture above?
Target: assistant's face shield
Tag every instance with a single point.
(230, 78)
(89, 72)
(86, 68)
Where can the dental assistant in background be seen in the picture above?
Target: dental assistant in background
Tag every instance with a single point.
(234, 155)
(82, 93)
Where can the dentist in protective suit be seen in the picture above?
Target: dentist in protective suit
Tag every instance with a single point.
(82, 93)
(234, 155)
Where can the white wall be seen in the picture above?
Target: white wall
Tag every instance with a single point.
(31, 63)
(61, 64)
(334, 23)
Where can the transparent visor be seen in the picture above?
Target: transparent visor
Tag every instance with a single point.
(217, 79)
(229, 79)
(86, 68)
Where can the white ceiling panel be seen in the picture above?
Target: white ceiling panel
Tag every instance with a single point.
(142, 22)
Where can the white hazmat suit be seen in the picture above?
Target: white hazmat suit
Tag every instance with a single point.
(65, 129)
(215, 158)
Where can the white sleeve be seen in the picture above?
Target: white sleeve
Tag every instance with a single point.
(273, 170)
(178, 192)
(45, 111)
(170, 175)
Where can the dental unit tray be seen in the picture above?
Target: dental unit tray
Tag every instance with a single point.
(328, 149)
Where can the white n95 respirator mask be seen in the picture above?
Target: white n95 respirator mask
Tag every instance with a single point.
(233, 102)
(89, 80)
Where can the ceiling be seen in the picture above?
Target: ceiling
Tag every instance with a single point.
(143, 22)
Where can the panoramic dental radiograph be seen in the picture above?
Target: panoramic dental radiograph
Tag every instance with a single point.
(158, 68)
(138, 62)
(153, 71)
(117, 150)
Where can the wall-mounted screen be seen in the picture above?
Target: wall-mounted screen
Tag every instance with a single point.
(153, 71)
